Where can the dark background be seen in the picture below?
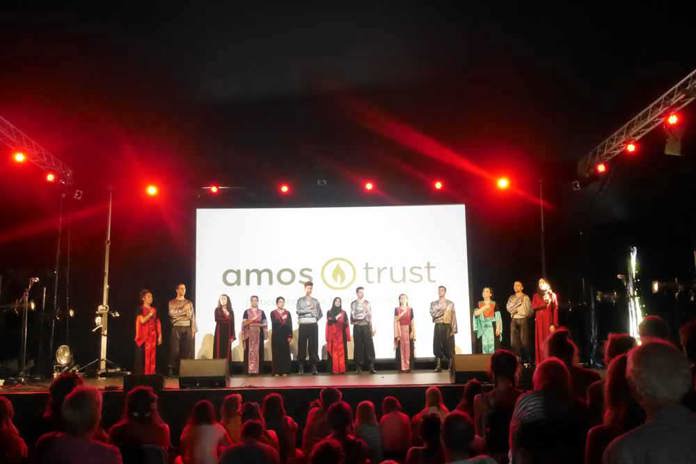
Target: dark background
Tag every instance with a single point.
(186, 94)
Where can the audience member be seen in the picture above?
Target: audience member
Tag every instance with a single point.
(284, 426)
(327, 451)
(340, 419)
(493, 410)
(203, 437)
(687, 336)
(60, 387)
(431, 451)
(472, 388)
(560, 345)
(545, 442)
(457, 439)
(231, 416)
(654, 327)
(250, 449)
(622, 412)
(13, 449)
(80, 415)
(617, 344)
(395, 427)
(316, 426)
(367, 428)
(433, 405)
(552, 401)
(141, 423)
(252, 411)
(659, 375)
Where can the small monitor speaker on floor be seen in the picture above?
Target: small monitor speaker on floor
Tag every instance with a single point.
(470, 366)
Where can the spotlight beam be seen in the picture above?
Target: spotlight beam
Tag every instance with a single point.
(15, 139)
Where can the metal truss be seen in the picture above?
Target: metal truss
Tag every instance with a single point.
(15, 139)
(674, 99)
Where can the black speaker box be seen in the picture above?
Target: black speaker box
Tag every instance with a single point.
(136, 380)
(203, 373)
(470, 366)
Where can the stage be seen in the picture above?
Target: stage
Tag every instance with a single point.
(298, 391)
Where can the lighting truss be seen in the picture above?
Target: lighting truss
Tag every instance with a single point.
(15, 139)
(674, 99)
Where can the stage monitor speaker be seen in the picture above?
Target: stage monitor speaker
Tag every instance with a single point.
(470, 366)
(136, 380)
(203, 373)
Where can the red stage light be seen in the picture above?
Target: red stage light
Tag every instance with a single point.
(369, 186)
(152, 190)
(438, 185)
(601, 168)
(19, 157)
(284, 189)
(503, 183)
(214, 189)
(50, 177)
(631, 147)
(673, 119)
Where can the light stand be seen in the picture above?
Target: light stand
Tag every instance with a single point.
(25, 325)
(105, 365)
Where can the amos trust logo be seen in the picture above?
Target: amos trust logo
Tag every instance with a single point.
(338, 273)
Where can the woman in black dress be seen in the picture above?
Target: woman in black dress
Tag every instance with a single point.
(224, 328)
(281, 335)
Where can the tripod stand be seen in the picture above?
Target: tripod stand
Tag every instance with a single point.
(106, 366)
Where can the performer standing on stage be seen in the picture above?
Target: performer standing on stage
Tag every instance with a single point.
(308, 314)
(488, 325)
(281, 336)
(445, 319)
(148, 335)
(404, 334)
(520, 309)
(183, 320)
(224, 329)
(545, 307)
(363, 347)
(337, 337)
(254, 332)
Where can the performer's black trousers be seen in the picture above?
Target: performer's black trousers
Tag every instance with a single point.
(180, 346)
(443, 342)
(363, 346)
(519, 338)
(308, 335)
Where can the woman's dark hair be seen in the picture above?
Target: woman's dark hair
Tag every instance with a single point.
(141, 405)
(620, 409)
(327, 451)
(340, 416)
(390, 404)
(687, 334)
(251, 411)
(228, 305)
(430, 430)
(329, 396)
(472, 388)
(60, 387)
(141, 296)
(504, 366)
(560, 345)
(252, 429)
(279, 298)
(617, 344)
(273, 408)
(202, 413)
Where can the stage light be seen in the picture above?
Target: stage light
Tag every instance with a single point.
(438, 185)
(631, 147)
(284, 189)
(151, 190)
(19, 157)
(214, 189)
(601, 168)
(50, 177)
(369, 186)
(673, 119)
(503, 183)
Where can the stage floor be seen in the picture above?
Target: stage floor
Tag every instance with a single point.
(351, 380)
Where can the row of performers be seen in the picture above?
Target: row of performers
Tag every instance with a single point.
(487, 324)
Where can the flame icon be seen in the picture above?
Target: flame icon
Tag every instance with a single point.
(338, 275)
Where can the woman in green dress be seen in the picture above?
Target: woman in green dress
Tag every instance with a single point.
(488, 325)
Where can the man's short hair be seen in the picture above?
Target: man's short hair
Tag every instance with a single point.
(252, 428)
(339, 416)
(658, 372)
(442, 287)
(82, 411)
(327, 450)
(329, 396)
(457, 432)
(309, 283)
(359, 288)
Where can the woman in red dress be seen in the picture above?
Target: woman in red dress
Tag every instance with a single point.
(545, 307)
(337, 337)
(148, 335)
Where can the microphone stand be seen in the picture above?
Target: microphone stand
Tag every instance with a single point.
(24, 334)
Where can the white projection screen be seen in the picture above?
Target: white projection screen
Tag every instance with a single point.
(389, 250)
